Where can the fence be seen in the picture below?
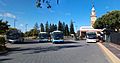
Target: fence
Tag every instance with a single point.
(115, 38)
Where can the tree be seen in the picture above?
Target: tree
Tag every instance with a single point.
(3, 26)
(35, 30)
(41, 27)
(50, 29)
(10, 28)
(55, 27)
(47, 27)
(98, 24)
(72, 28)
(67, 33)
(60, 26)
(47, 2)
(36, 26)
(32, 32)
(110, 20)
(63, 25)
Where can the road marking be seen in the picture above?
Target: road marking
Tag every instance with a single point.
(110, 55)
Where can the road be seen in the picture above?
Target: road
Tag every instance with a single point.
(68, 52)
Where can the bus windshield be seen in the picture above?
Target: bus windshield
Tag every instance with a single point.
(13, 35)
(58, 35)
(43, 36)
(91, 36)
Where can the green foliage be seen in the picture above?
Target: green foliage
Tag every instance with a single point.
(72, 28)
(29, 33)
(47, 27)
(12, 28)
(41, 27)
(53, 27)
(66, 32)
(50, 28)
(2, 44)
(36, 26)
(3, 26)
(63, 24)
(2, 41)
(33, 32)
(60, 26)
(47, 2)
(110, 20)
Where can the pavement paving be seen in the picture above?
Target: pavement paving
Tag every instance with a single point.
(114, 48)
(68, 52)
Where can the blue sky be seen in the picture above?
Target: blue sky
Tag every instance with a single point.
(25, 12)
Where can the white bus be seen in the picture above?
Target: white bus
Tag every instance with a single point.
(43, 37)
(91, 37)
(57, 37)
(14, 36)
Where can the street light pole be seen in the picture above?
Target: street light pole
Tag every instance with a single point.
(26, 27)
(76, 28)
(14, 23)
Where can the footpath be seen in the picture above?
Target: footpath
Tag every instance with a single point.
(114, 48)
(112, 51)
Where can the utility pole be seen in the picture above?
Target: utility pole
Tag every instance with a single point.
(14, 23)
(26, 30)
(76, 28)
(26, 27)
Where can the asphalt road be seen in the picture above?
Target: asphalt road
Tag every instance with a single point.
(68, 52)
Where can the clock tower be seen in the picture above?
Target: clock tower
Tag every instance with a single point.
(93, 15)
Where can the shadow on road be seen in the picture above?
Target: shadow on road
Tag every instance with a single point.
(33, 50)
(67, 42)
(36, 42)
(51, 48)
(32, 42)
(5, 59)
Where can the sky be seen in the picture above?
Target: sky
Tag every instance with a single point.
(25, 12)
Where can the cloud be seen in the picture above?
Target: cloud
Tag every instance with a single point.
(21, 25)
(1, 15)
(7, 14)
(2, 3)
